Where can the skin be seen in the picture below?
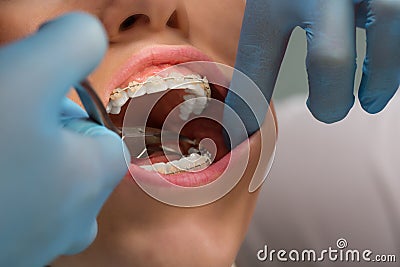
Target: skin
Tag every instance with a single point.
(135, 229)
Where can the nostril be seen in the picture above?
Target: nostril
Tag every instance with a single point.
(173, 21)
(133, 20)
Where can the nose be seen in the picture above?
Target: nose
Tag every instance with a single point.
(125, 17)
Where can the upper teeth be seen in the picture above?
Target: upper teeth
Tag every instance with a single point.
(197, 89)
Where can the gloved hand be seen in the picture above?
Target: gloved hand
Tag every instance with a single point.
(58, 168)
(331, 60)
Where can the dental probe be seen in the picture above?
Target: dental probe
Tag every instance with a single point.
(94, 107)
(96, 111)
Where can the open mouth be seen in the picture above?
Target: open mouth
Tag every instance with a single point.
(177, 87)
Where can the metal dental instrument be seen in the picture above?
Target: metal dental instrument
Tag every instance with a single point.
(131, 135)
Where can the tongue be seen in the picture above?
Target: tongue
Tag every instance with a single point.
(197, 129)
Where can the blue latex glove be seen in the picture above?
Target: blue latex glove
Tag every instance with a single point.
(57, 167)
(331, 61)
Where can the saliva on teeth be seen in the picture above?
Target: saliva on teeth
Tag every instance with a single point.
(192, 163)
(197, 91)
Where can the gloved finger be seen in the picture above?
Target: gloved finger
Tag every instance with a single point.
(86, 237)
(70, 109)
(331, 60)
(381, 70)
(361, 11)
(251, 108)
(100, 152)
(84, 126)
(261, 50)
(101, 157)
(61, 53)
(75, 119)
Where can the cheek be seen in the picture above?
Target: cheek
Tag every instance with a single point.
(21, 18)
(101, 76)
(12, 29)
(216, 26)
(74, 97)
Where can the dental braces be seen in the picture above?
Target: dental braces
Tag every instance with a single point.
(197, 89)
(186, 80)
(174, 168)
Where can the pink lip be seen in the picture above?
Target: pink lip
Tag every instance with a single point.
(154, 56)
(140, 66)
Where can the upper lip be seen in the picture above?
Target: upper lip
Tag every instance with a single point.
(153, 56)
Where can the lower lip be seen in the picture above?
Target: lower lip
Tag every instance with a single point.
(193, 179)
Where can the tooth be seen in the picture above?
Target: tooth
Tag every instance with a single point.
(109, 107)
(155, 84)
(191, 102)
(192, 162)
(136, 90)
(198, 110)
(140, 91)
(196, 104)
(189, 163)
(115, 110)
(131, 92)
(132, 88)
(119, 98)
(201, 101)
(133, 84)
(183, 115)
(170, 168)
(189, 106)
(206, 155)
(194, 85)
(194, 157)
(147, 167)
(201, 104)
(186, 109)
(194, 92)
(193, 150)
(177, 76)
(199, 90)
(180, 164)
(159, 167)
(188, 97)
(174, 80)
(192, 77)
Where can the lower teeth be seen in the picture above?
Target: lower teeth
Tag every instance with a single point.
(192, 163)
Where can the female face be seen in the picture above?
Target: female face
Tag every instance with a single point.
(134, 228)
